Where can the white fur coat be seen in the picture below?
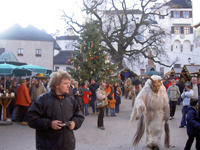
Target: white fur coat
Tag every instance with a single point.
(155, 108)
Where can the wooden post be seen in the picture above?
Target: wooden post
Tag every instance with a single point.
(4, 113)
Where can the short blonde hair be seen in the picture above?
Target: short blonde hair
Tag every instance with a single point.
(56, 78)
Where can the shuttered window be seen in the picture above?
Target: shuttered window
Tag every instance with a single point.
(181, 14)
(190, 14)
(182, 30)
(191, 29)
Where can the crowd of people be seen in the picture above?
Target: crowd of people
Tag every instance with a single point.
(25, 92)
(188, 93)
(105, 98)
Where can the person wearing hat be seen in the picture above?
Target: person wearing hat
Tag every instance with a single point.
(193, 125)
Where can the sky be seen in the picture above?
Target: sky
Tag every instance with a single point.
(43, 14)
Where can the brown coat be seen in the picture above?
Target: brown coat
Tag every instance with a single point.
(37, 91)
(23, 97)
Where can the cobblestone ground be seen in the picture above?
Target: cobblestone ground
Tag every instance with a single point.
(118, 134)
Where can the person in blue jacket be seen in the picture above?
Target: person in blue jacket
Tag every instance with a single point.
(193, 125)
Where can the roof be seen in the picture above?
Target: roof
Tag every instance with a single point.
(63, 57)
(30, 33)
(180, 3)
(177, 70)
(8, 56)
(68, 37)
(193, 68)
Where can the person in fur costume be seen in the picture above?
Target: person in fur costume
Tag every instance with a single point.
(151, 109)
(127, 86)
(134, 92)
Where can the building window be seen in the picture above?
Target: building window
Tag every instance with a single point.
(181, 14)
(38, 52)
(191, 30)
(176, 30)
(176, 14)
(2, 50)
(20, 52)
(186, 14)
(186, 30)
(161, 17)
(190, 14)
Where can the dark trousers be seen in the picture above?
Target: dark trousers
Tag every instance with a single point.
(21, 113)
(190, 141)
(172, 105)
(199, 107)
(117, 108)
(93, 103)
(10, 109)
(184, 113)
(100, 117)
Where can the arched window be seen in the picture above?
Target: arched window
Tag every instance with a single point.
(177, 46)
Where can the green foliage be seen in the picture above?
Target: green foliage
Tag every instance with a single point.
(91, 61)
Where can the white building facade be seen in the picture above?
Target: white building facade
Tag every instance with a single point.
(196, 24)
(180, 44)
(30, 45)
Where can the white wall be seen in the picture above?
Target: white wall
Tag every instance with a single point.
(46, 59)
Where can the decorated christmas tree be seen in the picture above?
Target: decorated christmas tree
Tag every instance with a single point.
(91, 61)
(185, 74)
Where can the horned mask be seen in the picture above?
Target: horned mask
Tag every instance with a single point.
(155, 85)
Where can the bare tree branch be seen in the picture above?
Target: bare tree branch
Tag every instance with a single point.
(122, 28)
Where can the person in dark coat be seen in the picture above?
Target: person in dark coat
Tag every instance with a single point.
(78, 93)
(55, 115)
(93, 87)
(193, 126)
(181, 86)
(198, 84)
(118, 94)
